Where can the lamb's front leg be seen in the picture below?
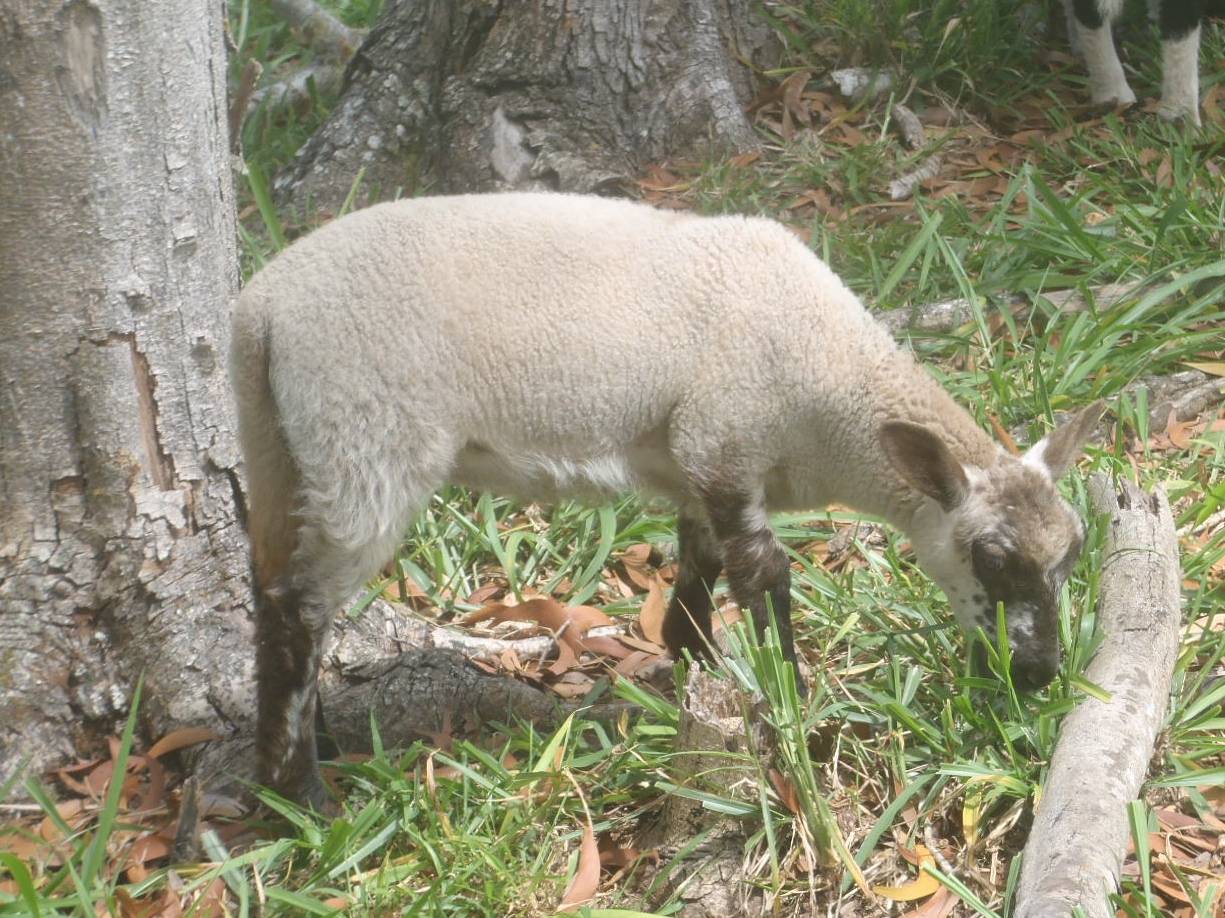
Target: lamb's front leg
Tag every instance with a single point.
(758, 570)
(1180, 37)
(687, 624)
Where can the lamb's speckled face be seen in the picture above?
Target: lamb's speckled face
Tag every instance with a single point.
(997, 537)
(1012, 540)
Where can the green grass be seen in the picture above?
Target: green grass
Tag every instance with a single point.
(897, 739)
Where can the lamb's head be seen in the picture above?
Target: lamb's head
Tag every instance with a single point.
(1001, 534)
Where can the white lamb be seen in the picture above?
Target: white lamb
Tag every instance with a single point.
(547, 345)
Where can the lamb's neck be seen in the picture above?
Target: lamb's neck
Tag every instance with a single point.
(867, 480)
(869, 484)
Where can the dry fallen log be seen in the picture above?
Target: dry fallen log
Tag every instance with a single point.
(1076, 847)
(330, 38)
(946, 317)
(417, 679)
(429, 692)
(1185, 395)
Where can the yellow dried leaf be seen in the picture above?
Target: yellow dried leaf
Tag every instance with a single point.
(924, 886)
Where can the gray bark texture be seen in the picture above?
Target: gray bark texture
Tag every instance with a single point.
(121, 554)
(714, 752)
(388, 664)
(570, 95)
(1075, 850)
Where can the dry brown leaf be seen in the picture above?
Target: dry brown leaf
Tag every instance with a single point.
(588, 617)
(566, 660)
(571, 690)
(586, 880)
(1211, 367)
(1170, 888)
(636, 562)
(614, 856)
(646, 645)
(608, 647)
(404, 591)
(651, 616)
(785, 789)
(74, 813)
(68, 775)
(1180, 433)
(634, 663)
(921, 887)
(1003, 436)
(179, 739)
(938, 906)
(488, 591)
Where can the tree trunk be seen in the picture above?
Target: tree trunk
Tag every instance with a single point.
(573, 95)
(713, 753)
(121, 554)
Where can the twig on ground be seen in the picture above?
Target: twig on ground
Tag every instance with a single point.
(915, 137)
(947, 316)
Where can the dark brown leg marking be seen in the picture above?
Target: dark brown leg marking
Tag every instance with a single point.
(758, 570)
(288, 652)
(687, 623)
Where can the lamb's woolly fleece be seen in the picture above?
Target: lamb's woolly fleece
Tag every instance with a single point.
(541, 344)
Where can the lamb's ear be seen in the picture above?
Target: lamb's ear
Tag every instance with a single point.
(922, 459)
(1059, 450)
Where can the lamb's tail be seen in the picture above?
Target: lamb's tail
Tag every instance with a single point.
(273, 479)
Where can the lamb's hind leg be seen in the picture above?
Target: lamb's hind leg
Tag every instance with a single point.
(294, 616)
(687, 625)
(291, 626)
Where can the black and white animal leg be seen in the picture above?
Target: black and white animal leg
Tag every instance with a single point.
(687, 623)
(1107, 83)
(1179, 24)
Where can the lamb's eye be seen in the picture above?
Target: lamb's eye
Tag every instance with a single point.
(989, 556)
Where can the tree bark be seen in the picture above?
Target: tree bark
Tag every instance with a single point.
(572, 95)
(1075, 850)
(121, 554)
(713, 752)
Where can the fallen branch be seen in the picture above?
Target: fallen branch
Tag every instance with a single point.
(948, 316)
(915, 137)
(429, 692)
(417, 679)
(1076, 847)
(300, 88)
(1186, 395)
(386, 629)
(333, 43)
